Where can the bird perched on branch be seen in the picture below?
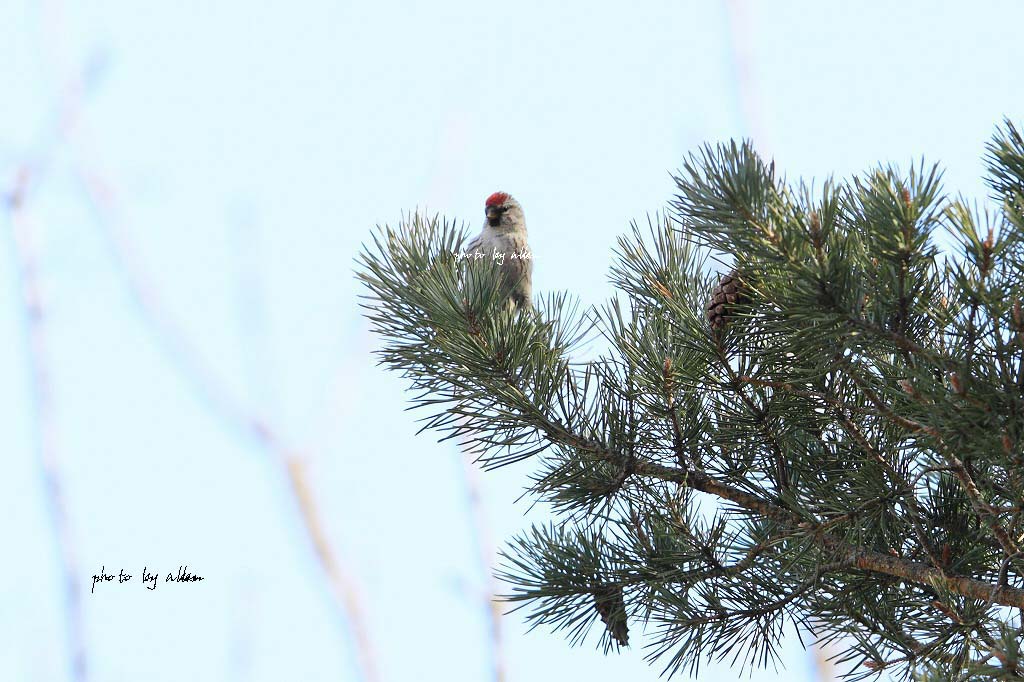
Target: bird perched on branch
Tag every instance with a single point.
(502, 242)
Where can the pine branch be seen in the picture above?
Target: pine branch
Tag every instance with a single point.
(967, 481)
(856, 419)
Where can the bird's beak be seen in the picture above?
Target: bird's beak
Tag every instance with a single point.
(493, 213)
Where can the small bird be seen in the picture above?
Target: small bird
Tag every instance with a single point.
(503, 243)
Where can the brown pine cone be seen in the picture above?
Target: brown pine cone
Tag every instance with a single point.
(729, 292)
(610, 605)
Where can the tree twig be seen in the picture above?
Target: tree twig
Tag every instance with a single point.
(27, 265)
(856, 556)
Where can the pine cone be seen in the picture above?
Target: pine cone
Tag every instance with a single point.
(729, 292)
(610, 605)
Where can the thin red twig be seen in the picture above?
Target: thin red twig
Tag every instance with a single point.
(23, 240)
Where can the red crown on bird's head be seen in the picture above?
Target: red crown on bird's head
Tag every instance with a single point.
(496, 199)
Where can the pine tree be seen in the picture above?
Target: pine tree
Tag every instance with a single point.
(829, 438)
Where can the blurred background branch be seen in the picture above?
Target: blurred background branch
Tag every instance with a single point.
(484, 542)
(24, 243)
(187, 358)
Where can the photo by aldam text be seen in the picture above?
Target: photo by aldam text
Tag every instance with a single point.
(148, 578)
(496, 255)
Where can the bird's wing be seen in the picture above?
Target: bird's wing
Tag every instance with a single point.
(475, 243)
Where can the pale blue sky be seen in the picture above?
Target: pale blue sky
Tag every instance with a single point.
(248, 149)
